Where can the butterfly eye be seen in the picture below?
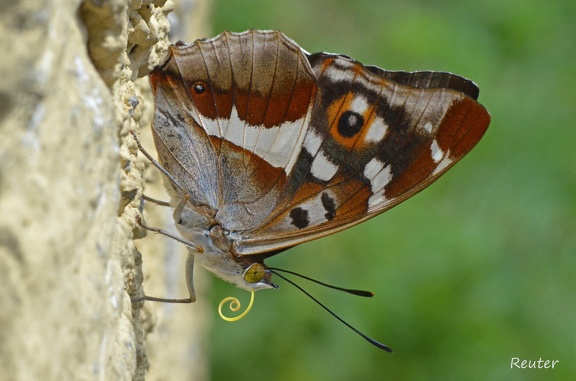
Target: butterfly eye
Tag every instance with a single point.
(199, 88)
(350, 123)
(254, 273)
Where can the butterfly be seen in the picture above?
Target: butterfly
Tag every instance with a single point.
(265, 146)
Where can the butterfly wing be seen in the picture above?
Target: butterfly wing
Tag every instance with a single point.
(284, 147)
(375, 139)
(231, 115)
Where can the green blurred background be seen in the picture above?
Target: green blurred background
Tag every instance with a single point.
(477, 269)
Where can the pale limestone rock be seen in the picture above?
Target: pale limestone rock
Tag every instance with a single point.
(70, 191)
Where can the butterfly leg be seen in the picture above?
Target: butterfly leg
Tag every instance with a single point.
(177, 215)
(157, 164)
(190, 275)
(189, 244)
(193, 249)
(155, 201)
(189, 284)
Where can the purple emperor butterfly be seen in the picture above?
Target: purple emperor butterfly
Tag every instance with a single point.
(266, 146)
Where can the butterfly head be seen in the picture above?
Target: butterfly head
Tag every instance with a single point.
(241, 271)
(257, 276)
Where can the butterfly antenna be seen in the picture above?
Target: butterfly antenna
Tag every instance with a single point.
(368, 339)
(366, 294)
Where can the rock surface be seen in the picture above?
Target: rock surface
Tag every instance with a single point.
(70, 191)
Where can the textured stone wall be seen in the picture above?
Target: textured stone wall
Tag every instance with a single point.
(70, 191)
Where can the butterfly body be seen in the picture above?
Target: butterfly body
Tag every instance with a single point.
(268, 146)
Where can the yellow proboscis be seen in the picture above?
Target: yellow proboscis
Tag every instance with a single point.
(234, 307)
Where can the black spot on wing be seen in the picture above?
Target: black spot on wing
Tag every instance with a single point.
(329, 205)
(350, 123)
(199, 88)
(299, 218)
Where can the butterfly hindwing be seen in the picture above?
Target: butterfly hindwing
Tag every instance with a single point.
(244, 101)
